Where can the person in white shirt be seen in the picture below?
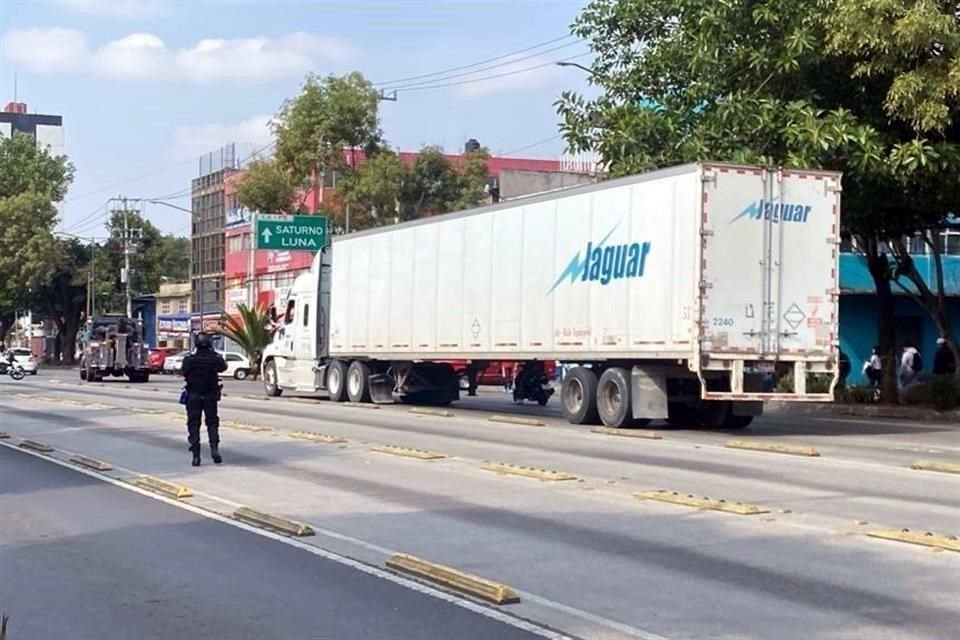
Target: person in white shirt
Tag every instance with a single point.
(873, 368)
(908, 366)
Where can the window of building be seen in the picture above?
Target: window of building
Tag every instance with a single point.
(950, 242)
(182, 306)
(165, 307)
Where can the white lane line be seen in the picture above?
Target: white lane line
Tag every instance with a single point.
(369, 569)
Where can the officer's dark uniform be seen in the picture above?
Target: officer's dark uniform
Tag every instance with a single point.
(200, 371)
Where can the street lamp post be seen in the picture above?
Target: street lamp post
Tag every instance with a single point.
(578, 66)
(200, 257)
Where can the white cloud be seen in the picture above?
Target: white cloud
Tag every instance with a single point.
(126, 9)
(191, 142)
(145, 56)
(528, 73)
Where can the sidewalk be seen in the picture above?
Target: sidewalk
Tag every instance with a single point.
(900, 412)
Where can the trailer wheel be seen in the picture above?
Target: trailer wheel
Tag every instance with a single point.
(336, 380)
(735, 423)
(714, 415)
(614, 402)
(270, 383)
(358, 381)
(578, 396)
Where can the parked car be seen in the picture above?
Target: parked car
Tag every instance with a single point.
(496, 373)
(172, 363)
(237, 365)
(25, 359)
(158, 357)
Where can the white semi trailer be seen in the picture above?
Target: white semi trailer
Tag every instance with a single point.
(685, 294)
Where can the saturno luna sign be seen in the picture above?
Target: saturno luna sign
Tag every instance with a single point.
(292, 233)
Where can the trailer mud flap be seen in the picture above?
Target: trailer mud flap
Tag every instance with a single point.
(648, 393)
(381, 388)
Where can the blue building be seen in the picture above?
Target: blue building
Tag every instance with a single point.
(858, 309)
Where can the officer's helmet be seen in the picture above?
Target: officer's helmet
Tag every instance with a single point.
(203, 341)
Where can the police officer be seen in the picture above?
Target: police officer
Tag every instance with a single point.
(200, 370)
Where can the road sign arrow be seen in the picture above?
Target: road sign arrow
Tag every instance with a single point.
(266, 234)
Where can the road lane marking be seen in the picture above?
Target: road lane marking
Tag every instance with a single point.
(273, 523)
(419, 587)
(408, 452)
(243, 426)
(505, 468)
(470, 584)
(936, 465)
(773, 447)
(628, 433)
(926, 539)
(689, 500)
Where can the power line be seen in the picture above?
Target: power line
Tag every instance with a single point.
(447, 76)
(128, 181)
(88, 219)
(493, 77)
(474, 64)
(532, 145)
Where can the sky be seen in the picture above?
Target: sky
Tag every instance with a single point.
(147, 86)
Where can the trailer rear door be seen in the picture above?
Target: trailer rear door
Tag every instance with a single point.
(769, 242)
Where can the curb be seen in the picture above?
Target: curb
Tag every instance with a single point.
(866, 411)
(529, 422)
(273, 523)
(163, 487)
(453, 578)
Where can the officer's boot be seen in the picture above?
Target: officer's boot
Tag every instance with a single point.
(215, 454)
(195, 450)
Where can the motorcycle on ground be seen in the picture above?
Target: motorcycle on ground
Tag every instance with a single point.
(532, 383)
(13, 369)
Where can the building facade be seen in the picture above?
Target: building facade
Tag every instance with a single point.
(46, 130)
(173, 314)
(208, 219)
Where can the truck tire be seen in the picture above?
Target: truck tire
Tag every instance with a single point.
(735, 423)
(614, 402)
(83, 373)
(358, 381)
(139, 377)
(271, 385)
(578, 396)
(714, 414)
(337, 380)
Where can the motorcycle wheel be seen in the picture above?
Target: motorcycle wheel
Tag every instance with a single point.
(17, 374)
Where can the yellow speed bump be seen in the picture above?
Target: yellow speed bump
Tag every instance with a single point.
(273, 523)
(933, 465)
(100, 405)
(148, 411)
(91, 463)
(427, 411)
(407, 452)
(689, 500)
(628, 433)
(36, 446)
(789, 449)
(453, 578)
(246, 426)
(163, 487)
(316, 437)
(530, 472)
(530, 422)
(926, 539)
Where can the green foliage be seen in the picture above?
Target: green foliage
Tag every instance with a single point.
(816, 383)
(27, 168)
(31, 180)
(328, 115)
(945, 392)
(155, 259)
(63, 296)
(859, 394)
(251, 331)
(375, 187)
(267, 188)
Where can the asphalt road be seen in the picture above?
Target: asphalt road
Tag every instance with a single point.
(80, 558)
(586, 556)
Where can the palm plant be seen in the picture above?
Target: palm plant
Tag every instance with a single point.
(251, 330)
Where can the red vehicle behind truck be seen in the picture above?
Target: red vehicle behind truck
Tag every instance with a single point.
(496, 373)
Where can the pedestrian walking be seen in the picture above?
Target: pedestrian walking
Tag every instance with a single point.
(201, 371)
(943, 360)
(873, 368)
(911, 364)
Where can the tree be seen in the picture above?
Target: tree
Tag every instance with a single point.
(154, 259)
(474, 174)
(31, 181)
(63, 297)
(375, 188)
(251, 330)
(267, 188)
(329, 115)
(912, 49)
(757, 83)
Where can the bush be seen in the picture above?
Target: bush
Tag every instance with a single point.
(860, 394)
(945, 392)
(917, 395)
(816, 383)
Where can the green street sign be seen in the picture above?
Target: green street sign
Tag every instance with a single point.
(293, 233)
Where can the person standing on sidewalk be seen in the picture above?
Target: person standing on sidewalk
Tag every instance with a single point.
(943, 364)
(201, 371)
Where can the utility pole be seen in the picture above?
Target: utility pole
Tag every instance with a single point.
(126, 257)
